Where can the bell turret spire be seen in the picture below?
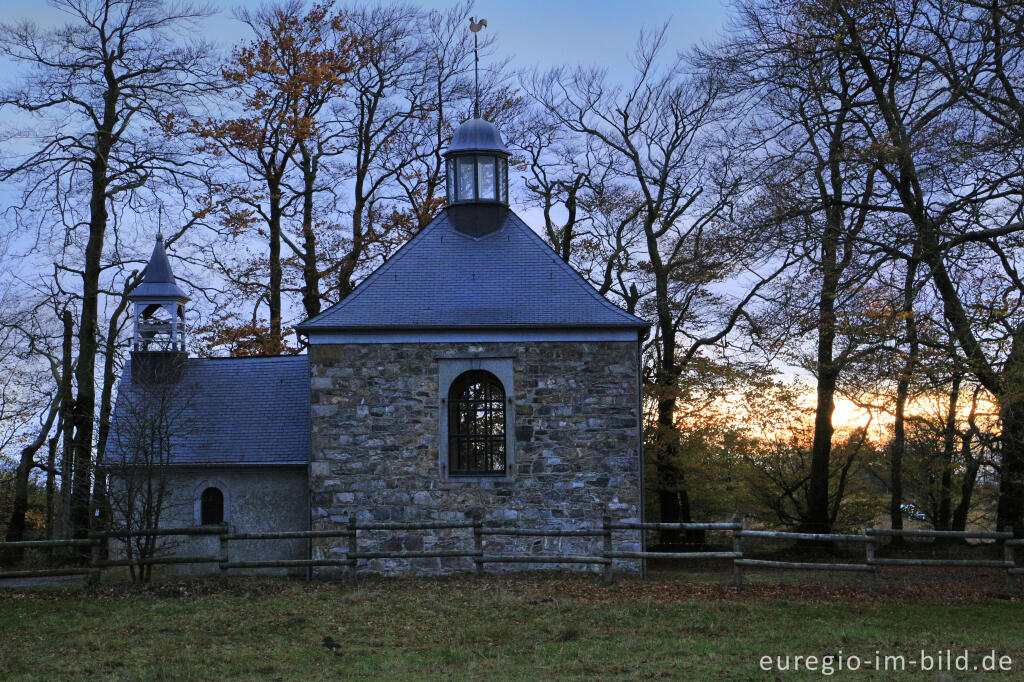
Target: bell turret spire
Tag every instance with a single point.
(159, 306)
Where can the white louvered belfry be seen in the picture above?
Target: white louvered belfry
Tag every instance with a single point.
(158, 307)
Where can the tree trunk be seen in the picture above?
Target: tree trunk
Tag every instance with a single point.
(1010, 510)
(67, 432)
(274, 296)
(109, 377)
(98, 514)
(100, 504)
(897, 452)
(347, 268)
(668, 458)
(666, 461)
(310, 273)
(817, 520)
(571, 208)
(971, 466)
(944, 511)
(85, 372)
(899, 439)
(668, 501)
(51, 475)
(83, 412)
(16, 523)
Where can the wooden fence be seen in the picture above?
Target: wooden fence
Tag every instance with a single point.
(351, 557)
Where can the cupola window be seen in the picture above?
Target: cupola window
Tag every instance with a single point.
(477, 161)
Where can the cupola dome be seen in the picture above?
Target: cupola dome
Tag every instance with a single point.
(475, 135)
(477, 178)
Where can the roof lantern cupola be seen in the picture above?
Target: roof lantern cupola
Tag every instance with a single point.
(476, 165)
(159, 307)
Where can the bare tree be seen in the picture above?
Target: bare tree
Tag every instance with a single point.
(590, 216)
(941, 79)
(657, 136)
(152, 416)
(280, 82)
(388, 90)
(101, 86)
(800, 100)
(29, 406)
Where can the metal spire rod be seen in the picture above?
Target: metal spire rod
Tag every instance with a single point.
(475, 27)
(476, 78)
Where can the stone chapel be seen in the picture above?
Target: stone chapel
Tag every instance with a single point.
(473, 373)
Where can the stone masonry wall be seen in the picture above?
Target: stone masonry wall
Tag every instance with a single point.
(375, 430)
(255, 501)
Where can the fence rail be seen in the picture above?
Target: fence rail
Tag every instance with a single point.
(288, 563)
(290, 535)
(742, 563)
(155, 532)
(630, 525)
(954, 534)
(782, 535)
(350, 557)
(803, 566)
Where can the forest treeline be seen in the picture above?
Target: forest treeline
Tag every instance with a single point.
(822, 205)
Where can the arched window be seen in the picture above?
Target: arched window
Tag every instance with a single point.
(476, 425)
(211, 504)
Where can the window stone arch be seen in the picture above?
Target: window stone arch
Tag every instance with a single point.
(211, 506)
(455, 375)
(197, 497)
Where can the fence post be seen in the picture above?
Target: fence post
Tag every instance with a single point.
(222, 548)
(95, 556)
(478, 542)
(869, 554)
(737, 547)
(609, 575)
(1008, 558)
(353, 547)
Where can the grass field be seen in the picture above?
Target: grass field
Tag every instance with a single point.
(498, 628)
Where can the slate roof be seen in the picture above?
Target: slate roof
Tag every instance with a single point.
(443, 278)
(231, 411)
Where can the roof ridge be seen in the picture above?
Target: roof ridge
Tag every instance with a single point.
(577, 277)
(386, 265)
(252, 357)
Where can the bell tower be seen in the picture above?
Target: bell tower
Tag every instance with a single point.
(158, 342)
(476, 166)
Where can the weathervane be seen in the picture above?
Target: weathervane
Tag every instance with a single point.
(475, 27)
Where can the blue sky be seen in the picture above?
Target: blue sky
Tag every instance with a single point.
(553, 32)
(541, 33)
(534, 32)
